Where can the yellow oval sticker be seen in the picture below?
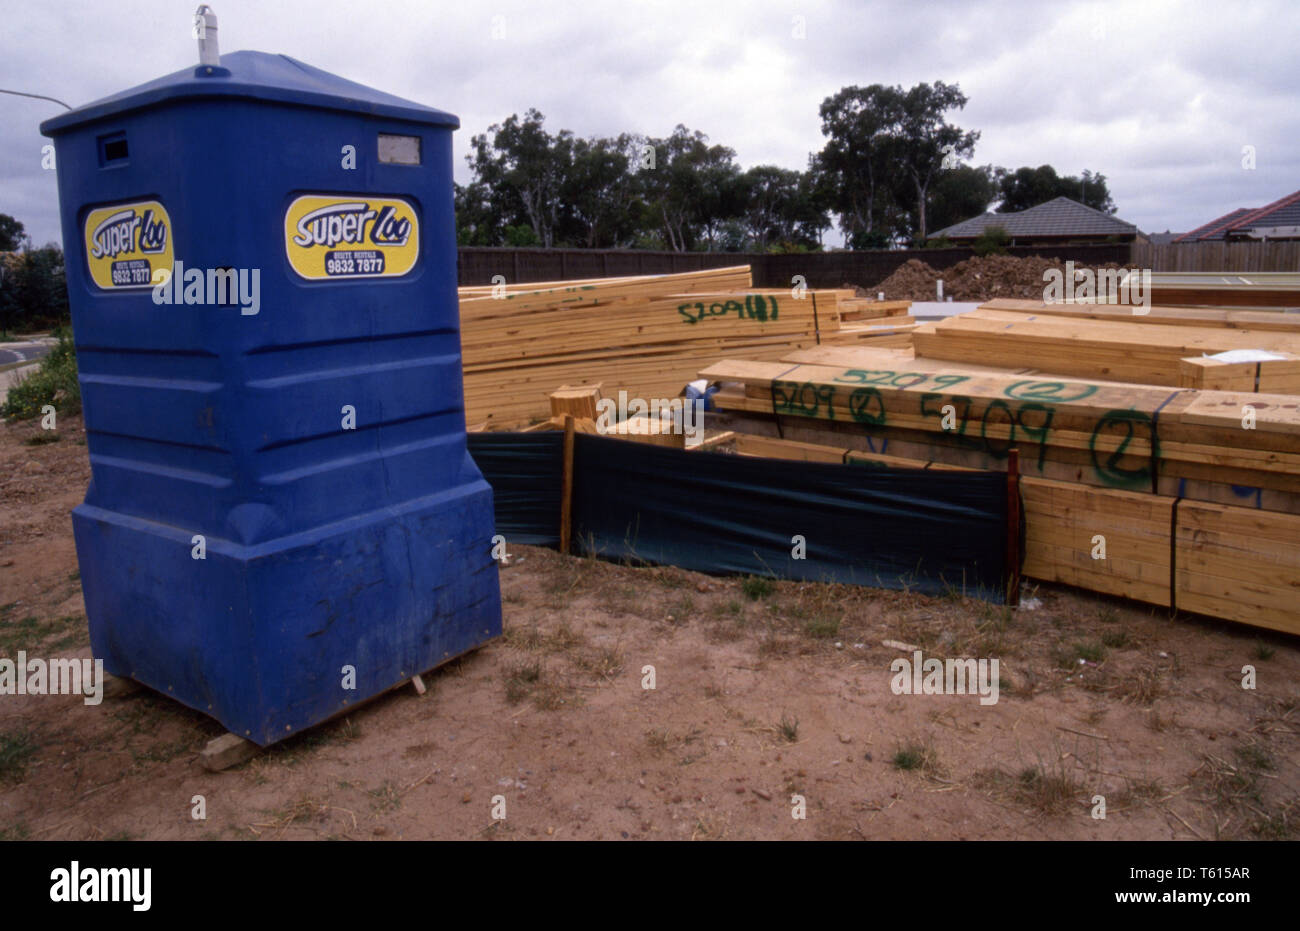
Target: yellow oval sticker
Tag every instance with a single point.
(333, 238)
(127, 243)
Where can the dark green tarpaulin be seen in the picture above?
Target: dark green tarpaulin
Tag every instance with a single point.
(725, 514)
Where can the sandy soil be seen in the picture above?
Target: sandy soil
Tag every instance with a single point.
(762, 693)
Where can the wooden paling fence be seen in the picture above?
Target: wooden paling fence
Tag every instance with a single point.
(1282, 256)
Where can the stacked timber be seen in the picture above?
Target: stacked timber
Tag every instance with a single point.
(1223, 447)
(1177, 497)
(1117, 348)
(647, 335)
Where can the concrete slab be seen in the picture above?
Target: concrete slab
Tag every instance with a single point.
(934, 310)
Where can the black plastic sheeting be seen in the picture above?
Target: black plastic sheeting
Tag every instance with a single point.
(724, 514)
(526, 472)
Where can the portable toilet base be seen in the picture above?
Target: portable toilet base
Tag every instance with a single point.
(319, 621)
(283, 519)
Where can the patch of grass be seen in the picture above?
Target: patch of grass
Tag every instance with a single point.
(53, 382)
(788, 728)
(17, 831)
(661, 740)
(1067, 657)
(1142, 686)
(16, 749)
(44, 438)
(915, 756)
(1115, 639)
(822, 628)
(1278, 825)
(1137, 790)
(1107, 614)
(1255, 757)
(1045, 789)
(385, 798)
(756, 587)
(549, 696)
(1094, 651)
(521, 679)
(1263, 651)
(526, 638)
(563, 638)
(603, 663)
(681, 610)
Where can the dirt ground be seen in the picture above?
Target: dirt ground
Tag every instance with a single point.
(763, 692)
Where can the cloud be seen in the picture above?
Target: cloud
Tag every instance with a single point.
(1159, 96)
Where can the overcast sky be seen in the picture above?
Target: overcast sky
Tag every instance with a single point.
(1160, 97)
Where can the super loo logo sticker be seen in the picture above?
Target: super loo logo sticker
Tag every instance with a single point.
(126, 243)
(328, 237)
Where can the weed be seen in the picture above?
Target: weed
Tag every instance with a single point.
(788, 728)
(822, 628)
(756, 587)
(1142, 686)
(916, 756)
(16, 750)
(1255, 757)
(386, 798)
(1116, 639)
(521, 679)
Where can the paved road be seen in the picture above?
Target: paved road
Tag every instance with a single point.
(18, 360)
(28, 351)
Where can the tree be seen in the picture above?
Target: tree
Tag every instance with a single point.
(524, 168)
(35, 292)
(926, 140)
(961, 193)
(12, 234)
(1028, 187)
(477, 221)
(770, 195)
(884, 148)
(860, 125)
(688, 187)
(600, 194)
(993, 240)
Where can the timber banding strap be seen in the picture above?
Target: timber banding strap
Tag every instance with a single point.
(1173, 556)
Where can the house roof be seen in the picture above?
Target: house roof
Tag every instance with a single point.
(1058, 217)
(1215, 228)
(1285, 211)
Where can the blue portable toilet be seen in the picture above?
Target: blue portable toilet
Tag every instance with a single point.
(282, 519)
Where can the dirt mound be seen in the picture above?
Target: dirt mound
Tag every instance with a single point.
(980, 278)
